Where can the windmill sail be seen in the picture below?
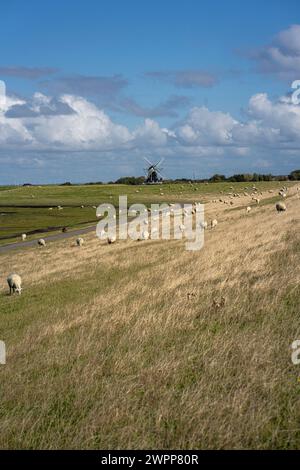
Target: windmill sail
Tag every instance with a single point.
(153, 171)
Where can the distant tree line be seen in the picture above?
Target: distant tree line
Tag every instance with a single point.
(217, 178)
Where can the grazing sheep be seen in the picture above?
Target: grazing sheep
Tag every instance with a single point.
(41, 242)
(213, 223)
(79, 241)
(15, 283)
(203, 225)
(23, 236)
(144, 235)
(248, 209)
(280, 207)
(111, 240)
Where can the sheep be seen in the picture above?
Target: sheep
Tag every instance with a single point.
(181, 227)
(64, 229)
(248, 209)
(41, 242)
(203, 225)
(144, 235)
(79, 241)
(280, 207)
(23, 236)
(111, 240)
(213, 223)
(14, 283)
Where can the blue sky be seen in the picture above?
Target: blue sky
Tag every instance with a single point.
(94, 86)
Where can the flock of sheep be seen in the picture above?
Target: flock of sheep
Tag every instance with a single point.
(15, 282)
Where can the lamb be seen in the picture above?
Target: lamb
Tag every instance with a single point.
(213, 223)
(280, 207)
(248, 209)
(14, 283)
(79, 241)
(24, 236)
(41, 242)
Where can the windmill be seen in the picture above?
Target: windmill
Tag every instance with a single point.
(153, 172)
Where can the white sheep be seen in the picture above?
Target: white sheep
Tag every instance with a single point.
(23, 236)
(145, 235)
(248, 209)
(79, 241)
(213, 223)
(41, 242)
(280, 207)
(203, 225)
(15, 283)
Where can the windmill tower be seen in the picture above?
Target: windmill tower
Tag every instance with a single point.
(153, 172)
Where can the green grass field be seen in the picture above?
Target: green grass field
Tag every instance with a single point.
(26, 209)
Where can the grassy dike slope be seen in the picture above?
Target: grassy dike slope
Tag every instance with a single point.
(106, 349)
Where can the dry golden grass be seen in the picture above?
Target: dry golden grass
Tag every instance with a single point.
(125, 346)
